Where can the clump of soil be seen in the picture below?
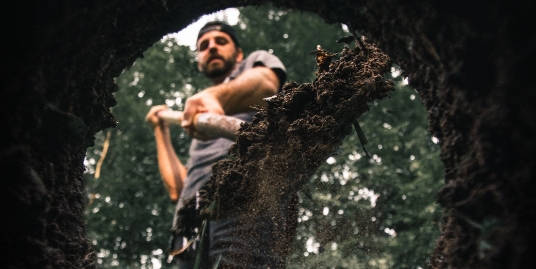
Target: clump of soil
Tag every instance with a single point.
(276, 154)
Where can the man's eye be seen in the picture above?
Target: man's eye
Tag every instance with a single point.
(203, 46)
(222, 41)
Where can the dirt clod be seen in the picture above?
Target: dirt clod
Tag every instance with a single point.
(276, 154)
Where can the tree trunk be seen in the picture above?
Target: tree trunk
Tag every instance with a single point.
(471, 63)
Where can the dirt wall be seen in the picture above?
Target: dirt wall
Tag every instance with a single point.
(471, 62)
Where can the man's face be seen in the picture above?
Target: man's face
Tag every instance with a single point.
(217, 54)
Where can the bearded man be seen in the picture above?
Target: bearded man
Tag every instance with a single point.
(238, 84)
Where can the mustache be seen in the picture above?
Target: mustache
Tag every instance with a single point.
(215, 57)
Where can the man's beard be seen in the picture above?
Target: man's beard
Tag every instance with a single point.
(216, 72)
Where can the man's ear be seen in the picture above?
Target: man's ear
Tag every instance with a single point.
(239, 55)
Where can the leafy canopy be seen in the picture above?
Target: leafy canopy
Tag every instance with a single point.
(356, 212)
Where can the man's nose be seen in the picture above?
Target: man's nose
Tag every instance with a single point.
(212, 45)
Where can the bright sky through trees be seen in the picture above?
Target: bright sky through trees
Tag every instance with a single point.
(355, 212)
(188, 35)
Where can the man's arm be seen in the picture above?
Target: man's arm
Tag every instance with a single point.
(238, 95)
(171, 169)
(246, 90)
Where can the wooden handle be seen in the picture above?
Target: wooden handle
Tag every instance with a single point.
(171, 117)
(211, 125)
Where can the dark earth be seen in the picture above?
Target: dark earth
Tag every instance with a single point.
(277, 153)
(472, 63)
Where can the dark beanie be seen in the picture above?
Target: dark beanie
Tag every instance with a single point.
(220, 26)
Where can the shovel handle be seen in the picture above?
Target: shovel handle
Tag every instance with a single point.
(211, 125)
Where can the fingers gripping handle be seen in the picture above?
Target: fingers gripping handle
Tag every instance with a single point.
(212, 125)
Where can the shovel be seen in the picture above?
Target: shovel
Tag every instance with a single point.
(211, 125)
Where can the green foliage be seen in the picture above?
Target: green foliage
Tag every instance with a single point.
(378, 211)
(290, 35)
(356, 212)
(129, 212)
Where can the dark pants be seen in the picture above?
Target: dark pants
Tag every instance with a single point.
(254, 241)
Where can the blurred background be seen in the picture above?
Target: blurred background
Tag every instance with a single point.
(356, 211)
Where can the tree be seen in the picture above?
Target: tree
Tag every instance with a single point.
(377, 211)
(357, 211)
(289, 34)
(129, 212)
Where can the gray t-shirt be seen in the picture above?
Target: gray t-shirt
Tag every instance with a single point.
(203, 154)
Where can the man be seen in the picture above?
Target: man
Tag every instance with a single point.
(237, 85)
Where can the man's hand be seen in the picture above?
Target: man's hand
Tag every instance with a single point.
(152, 117)
(205, 101)
(236, 96)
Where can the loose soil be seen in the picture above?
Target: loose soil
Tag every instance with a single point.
(303, 125)
(470, 61)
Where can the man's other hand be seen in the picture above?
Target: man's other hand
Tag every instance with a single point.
(152, 116)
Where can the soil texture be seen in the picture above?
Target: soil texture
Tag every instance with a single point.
(276, 154)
